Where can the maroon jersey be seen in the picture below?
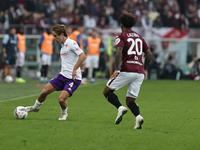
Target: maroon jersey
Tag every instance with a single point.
(133, 47)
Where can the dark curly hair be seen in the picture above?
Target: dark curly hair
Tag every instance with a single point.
(127, 19)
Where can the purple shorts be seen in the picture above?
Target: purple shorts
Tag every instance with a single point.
(62, 83)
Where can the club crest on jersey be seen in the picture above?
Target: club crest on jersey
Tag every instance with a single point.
(136, 58)
(117, 40)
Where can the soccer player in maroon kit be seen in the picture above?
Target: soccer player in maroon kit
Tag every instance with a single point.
(130, 47)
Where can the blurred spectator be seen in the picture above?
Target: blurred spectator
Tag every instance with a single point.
(21, 51)
(138, 22)
(69, 30)
(9, 51)
(154, 64)
(40, 7)
(194, 23)
(52, 5)
(153, 14)
(12, 15)
(6, 24)
(182, 22)
(122, 9)
(81, 8)
(168, 22)
(176, 16)
(157, 4)
(55, 19)
(11, 3)
(194, 67)
(30, 5)
(164, 13)
(191, 13)
(20, 11)
(158, 23)
(102, 22)
(2, 17)
(92, 9)
(89, 23)
(170, 69)
(109, 9)
(48, 11)
(46, 48)
(77, 20)
(116, 5)
(146, 21)
(44, 23)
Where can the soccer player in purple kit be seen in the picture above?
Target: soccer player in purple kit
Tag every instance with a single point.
(68, 80)
(130, 47)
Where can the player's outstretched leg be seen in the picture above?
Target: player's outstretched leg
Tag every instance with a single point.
(49, 88)
(63, 104)
(135, 110)
(113, 99)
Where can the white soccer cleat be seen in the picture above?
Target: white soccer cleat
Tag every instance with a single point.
(139, 121)
(63, 116)
(32, 108)
(121, 111)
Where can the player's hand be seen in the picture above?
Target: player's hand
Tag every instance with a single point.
(4, 55)
(145, 75)
(82, 71)
(114, 75)
(74, 76)
(16, 55)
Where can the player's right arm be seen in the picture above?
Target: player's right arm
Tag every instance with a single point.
(118, 58)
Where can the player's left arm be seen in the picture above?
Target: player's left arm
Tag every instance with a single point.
(80, 60)
(16, 48)
(147, 60)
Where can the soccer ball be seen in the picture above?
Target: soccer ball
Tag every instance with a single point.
(20, 112)
(8, 79)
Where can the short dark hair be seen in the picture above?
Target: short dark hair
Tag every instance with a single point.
(127, 19)
(59, 29)
(11, 28)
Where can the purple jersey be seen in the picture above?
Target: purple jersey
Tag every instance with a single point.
(133, 47)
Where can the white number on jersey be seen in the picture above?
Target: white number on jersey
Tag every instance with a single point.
(71, 84)
(135, 43)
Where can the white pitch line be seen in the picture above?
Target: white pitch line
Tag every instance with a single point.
(22, 97)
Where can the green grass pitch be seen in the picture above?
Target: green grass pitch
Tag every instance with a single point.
(171, 111)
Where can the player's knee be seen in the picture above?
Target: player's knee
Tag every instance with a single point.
(129, 100)
(107, 93)
(61, 100)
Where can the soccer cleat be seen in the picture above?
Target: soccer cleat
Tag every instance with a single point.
(139, 121)
(63, 116)
(20, 80)
(31, 108)
(121, 111)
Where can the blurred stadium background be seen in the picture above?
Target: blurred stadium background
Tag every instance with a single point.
(172, 26)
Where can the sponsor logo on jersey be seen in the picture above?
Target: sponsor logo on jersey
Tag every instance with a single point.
(133, 62)
(65, 53)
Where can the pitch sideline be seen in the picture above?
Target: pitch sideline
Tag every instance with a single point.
(22, 97)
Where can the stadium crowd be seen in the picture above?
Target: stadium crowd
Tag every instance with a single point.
(100, 13)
